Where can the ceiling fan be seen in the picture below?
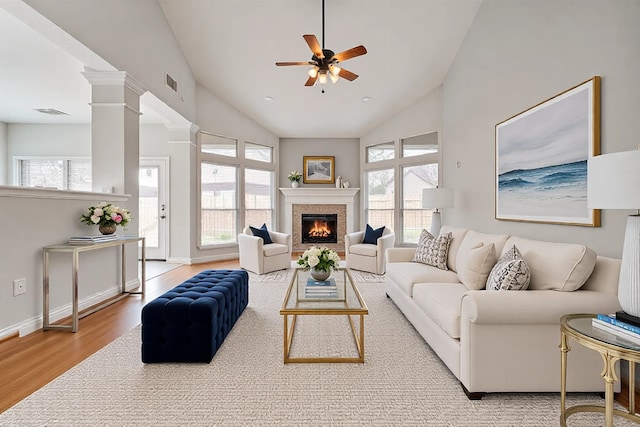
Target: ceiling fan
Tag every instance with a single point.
(324, 61)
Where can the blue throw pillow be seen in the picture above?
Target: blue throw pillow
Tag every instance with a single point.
(262, 232)
(371, 236)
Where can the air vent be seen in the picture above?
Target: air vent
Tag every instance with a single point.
(172, 83)
(51, 111)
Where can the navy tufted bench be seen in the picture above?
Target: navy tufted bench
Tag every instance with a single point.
(189, 322)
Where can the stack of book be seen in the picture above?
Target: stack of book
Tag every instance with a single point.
(323, 289)
(87, 240)
(620, 324)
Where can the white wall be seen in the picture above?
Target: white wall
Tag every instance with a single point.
(345, 151)
(423, 116)
(516, 55)
(4, 161)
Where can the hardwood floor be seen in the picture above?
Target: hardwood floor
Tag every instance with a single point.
(30, 362)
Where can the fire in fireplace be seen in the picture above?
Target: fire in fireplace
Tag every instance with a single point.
(319, 228)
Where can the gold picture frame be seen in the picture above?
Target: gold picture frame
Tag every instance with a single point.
(541, 159)
(319, 169)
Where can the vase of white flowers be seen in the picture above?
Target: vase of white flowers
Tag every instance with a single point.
(294, 177)
(320, 261)
(107, 217)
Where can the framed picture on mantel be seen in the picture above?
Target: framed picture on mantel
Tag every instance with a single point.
(319, 170)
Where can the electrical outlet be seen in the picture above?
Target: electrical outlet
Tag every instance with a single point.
(19, 287)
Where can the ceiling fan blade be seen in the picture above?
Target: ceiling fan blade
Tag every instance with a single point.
(312, 41)
(346, 74)
(350, 53)
(311, 81)
(280, 64)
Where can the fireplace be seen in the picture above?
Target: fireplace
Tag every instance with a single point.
(319, 228)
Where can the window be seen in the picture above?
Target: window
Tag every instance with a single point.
(380, 198)
(60, 173)
(218, 203)
(380, 152)
(258, 152)
(234, 189)
(220, 145)
(394, 184)
(258, 197)
(414, 217)
(419, 145)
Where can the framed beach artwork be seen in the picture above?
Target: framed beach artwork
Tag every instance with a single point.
(541, 159)
(319, 170)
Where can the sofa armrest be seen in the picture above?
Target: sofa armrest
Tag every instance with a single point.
(353, 239)
(282, 238)
(532, 306)
(400, 254)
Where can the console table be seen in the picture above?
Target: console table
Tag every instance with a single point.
(75, 251)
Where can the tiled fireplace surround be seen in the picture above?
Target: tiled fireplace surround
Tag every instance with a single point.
(340, 201)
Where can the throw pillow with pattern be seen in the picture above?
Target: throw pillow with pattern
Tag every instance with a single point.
(511, 273)
(433, 250)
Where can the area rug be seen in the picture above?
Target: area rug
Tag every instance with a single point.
(402, 382)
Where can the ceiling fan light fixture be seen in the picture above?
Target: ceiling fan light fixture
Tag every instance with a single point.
(313, 72)
(335, 70)
(334, 78)
(322, 78)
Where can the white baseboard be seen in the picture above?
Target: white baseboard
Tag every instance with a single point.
(200, 260)
(35, 323)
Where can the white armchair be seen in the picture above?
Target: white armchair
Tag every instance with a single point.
(259, 258)
(367, 256)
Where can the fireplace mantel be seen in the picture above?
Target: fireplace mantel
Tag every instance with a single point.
(319, 196)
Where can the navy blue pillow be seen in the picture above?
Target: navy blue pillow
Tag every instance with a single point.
(262, 232)
(371, 236)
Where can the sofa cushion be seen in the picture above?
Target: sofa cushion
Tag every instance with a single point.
(475, 264)
(511, 273)
(556, 266)
(365, 249)
(457, 237)
(407, 274)
(442, 302)
(275, 249)
(433, 250)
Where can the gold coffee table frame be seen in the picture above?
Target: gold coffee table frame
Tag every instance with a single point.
(348, 303)
(612, 348)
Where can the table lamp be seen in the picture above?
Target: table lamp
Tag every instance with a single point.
(436, 198)
(614, 183)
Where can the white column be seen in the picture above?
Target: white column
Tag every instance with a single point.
(115, 131)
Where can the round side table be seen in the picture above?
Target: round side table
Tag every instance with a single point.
(612, 348)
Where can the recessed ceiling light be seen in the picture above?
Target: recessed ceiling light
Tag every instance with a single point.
(366, 98)
(268, 98)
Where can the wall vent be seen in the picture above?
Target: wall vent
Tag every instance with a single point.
(51, 111)
(172, 83)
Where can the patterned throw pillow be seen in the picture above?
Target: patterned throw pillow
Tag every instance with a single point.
(433, 250)
(511, 273)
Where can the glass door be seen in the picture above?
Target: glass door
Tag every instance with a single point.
(153, 209)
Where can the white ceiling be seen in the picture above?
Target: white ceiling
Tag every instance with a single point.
(232, 46)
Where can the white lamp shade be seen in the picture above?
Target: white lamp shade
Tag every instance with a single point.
(614, 181)
(437, 198)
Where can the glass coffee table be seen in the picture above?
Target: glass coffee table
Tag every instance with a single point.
(612, 348)
(339, 296)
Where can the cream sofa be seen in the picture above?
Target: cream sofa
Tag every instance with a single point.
(505, 341)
